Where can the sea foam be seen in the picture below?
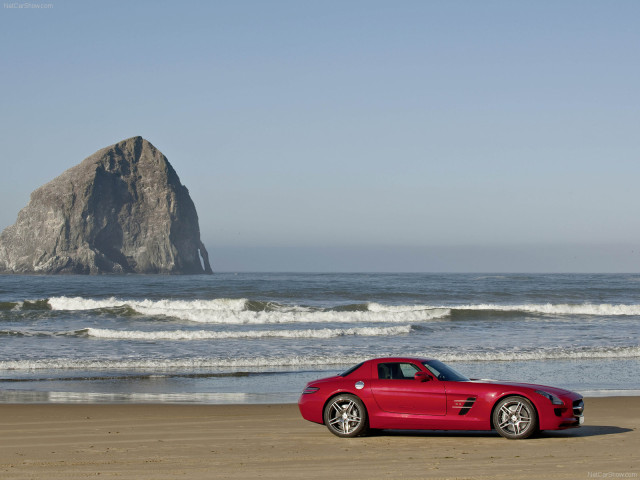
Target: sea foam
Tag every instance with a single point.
(250, 334)
(295, 361)
(243, 311)
(605, 309)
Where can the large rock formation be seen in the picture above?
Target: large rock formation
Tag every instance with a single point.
(122, 210)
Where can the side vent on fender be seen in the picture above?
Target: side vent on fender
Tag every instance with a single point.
(464, 405)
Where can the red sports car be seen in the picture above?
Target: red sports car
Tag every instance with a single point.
(424, 394)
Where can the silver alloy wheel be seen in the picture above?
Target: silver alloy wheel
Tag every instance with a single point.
(515, 417)
(345, 416)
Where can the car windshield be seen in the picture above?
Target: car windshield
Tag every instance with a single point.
(444, 372)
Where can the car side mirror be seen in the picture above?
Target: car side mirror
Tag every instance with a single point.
(422, 377)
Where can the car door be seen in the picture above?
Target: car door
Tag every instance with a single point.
(396, 391)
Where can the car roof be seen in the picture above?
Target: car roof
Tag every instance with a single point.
(399, 359)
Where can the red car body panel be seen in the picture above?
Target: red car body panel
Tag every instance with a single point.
(434, 404)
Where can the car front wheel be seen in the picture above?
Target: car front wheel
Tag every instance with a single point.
(515, 418)
(345, 416)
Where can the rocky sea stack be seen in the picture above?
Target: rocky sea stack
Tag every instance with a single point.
(122, 210)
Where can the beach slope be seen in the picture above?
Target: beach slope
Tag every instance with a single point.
(273, 441)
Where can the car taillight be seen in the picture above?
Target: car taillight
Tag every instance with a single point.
(309, 390)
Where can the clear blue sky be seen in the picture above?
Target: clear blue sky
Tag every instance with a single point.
(349, 135)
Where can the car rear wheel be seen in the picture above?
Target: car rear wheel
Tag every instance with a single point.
(515, 418)
(345, 416)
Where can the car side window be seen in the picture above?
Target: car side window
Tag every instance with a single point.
(397, 371)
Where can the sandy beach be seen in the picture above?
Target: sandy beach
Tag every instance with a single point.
(273, 441)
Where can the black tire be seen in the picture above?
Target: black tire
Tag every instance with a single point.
(515, 418)
(345, 416)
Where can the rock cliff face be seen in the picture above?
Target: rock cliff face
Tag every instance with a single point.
(122, 210)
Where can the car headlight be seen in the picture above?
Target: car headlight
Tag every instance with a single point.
(309, 390)
(552, 398)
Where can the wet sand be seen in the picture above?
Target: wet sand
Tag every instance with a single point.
(273, 441)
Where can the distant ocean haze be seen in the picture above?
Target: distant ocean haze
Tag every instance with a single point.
(513, 256)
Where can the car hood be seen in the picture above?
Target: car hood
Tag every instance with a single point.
(554, 390)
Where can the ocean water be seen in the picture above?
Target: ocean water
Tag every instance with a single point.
(258, 338)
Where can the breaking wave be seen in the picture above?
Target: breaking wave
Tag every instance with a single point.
(25, 305)
(251, 334)
(296, 361)
(244, 311)
(604, 309)
(21, 333)
(545, 354)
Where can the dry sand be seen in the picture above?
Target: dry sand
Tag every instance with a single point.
(273, 441)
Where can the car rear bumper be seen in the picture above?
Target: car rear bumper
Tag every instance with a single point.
(311, 407)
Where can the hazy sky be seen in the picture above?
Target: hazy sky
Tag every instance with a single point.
(349, 135)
